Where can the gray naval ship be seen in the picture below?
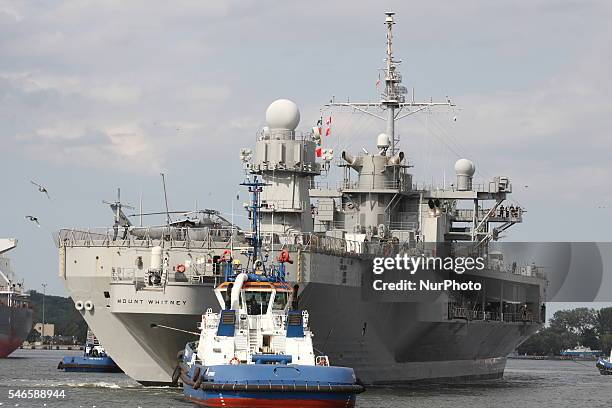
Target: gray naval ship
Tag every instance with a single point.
(15, 311)
(143, 289)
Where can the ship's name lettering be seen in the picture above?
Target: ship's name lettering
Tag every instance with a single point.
(151, 302)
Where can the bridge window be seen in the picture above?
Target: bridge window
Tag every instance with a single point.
(257, 302)
(280, 301)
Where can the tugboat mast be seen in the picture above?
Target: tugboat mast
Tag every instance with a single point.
(255, 188)
(392, 98)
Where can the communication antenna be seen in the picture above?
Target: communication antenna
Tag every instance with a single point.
(140, 208)
(392, 98)
(168, 219)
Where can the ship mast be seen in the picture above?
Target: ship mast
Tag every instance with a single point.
(392, 98)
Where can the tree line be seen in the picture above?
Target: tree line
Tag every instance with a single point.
(570, 328)
(59, 311)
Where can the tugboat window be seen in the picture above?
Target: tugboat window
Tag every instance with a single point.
(257, 302)
(280, 301)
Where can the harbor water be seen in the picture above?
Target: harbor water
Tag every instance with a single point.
(527, 383)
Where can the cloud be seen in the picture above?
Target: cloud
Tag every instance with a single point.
(193, 78)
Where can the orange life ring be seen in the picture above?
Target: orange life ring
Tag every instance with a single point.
(234, 361)
(180, 268)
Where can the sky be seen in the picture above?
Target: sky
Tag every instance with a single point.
(96, 95)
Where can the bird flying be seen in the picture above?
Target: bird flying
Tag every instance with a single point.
(41, 188)
(33, 219)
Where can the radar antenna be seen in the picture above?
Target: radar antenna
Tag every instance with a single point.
(392, 97)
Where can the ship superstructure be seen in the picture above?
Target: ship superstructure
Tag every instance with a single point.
(126, 279)
(15, 311)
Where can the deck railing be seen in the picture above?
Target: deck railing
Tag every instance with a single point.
(456, 312)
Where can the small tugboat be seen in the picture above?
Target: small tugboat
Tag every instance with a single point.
(94, 359)
(605, 365)
(257, 352)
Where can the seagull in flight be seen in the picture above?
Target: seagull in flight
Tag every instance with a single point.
(41, 188)
(33, 219)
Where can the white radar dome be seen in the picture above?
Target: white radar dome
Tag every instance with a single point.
(283, 114)
(383, 140)
(465, 167)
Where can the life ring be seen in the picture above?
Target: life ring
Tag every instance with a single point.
(180, 268)
(322, 362)
(89, 305)
(78, 305)
(234, 361)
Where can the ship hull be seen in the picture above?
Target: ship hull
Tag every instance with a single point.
(267, 400)
(397, 343)
(270, 385)
(15, 325)
(145, 354)
(385, 342)
(86, 364)
(396, 348)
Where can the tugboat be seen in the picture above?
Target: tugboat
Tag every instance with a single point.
(605, 365)
(258, 352)
(94, 359)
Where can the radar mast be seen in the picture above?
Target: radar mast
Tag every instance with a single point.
(393, 96)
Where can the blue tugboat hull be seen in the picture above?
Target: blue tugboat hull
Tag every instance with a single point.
(89, 364)
(604, 366)
(270, 385)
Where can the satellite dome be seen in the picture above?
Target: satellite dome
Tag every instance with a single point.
(465, 167)
(283, 114)
(383, 140)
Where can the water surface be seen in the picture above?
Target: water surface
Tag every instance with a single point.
(536, 384)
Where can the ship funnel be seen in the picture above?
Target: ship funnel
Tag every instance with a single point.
(465, 171)
(397, 159)
(295, 297)
(240, 279)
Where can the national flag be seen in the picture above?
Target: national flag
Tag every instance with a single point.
(318, 151)
(328, 121)
(378, 81)
(327, 131)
